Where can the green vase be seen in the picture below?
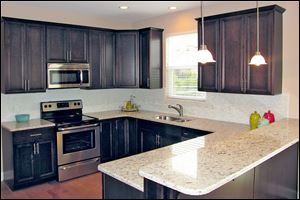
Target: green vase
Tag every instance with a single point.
(254, 119)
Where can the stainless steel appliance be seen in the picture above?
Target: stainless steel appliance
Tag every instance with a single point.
(68, 75)
(78, 138)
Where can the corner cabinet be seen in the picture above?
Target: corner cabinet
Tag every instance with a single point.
(151, 59)
(127, 59)
(23, 66)
(30, 155)
(231, 38)
(66, 44)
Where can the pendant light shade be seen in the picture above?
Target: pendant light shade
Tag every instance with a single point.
(204, 55)
(257, 59)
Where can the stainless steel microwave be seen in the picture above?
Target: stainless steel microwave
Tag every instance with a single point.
(68, 75)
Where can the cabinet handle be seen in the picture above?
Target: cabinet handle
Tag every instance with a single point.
(25, 85)
(37, 148)
(28, 85)
(185, 133)
(35, 135)
(34, 149)
(148, 82)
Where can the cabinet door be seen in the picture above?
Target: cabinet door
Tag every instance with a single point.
(151, 58)
(149, 139)
(78, 46)
(134, 139)
(127, 59)
(106, 137)
(232, 60)
(14, 72)
(46, 159)
(108, 66)
(259, 78)
(57, 50)
(35, 57)
(168, 135)
(121, 138)
(24, 170)
(96, 58)
(208, 74)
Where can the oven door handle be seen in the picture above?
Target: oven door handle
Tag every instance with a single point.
(77, 127)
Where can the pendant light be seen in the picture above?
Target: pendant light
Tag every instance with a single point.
(204, 56)
(257, 59)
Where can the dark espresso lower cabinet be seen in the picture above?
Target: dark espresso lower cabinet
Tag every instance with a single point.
(118, 138)
(30, 155)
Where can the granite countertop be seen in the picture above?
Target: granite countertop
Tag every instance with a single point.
(31, 124)
(201, 165)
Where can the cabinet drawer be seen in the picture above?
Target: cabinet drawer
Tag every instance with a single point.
(33, 135)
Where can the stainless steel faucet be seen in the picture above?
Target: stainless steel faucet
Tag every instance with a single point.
(179, 109)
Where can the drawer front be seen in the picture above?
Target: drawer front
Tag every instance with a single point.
(33, 135)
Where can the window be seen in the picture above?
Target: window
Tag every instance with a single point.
(182, 67)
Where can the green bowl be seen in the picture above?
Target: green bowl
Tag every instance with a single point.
(22, 117)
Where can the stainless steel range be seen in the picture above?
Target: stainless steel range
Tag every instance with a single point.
(78, 138)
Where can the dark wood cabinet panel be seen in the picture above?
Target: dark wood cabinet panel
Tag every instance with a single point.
(127, 59)
(149, 139)
(24, 163)
(232, 65)
(108, 68)
(150, 41)
(121, 138)
(106, 139)
(208, 74)
(35, 58)
(46, 160)
(78, 45)
(67, 45)
(102, 59)
(23, 66)
(57, 44)
(233, 43)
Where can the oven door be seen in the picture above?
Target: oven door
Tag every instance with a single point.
(78, 144)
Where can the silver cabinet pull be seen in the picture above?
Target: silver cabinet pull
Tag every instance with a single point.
(35, 135)
(37, 148)
(28, 85)
(148, 82)
(25, 85)
(34, 149)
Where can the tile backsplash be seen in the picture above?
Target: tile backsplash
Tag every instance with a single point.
(224, 107)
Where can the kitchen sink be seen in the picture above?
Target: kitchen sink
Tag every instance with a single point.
(170, 118)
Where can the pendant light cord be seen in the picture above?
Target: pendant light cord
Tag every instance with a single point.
(257, 28)
(202, 24)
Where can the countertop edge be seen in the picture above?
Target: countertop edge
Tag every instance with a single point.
(222, 182)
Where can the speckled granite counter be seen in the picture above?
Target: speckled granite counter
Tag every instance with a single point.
(31, 124)
(200, 165)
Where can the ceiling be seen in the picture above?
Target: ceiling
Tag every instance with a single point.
(138, 10)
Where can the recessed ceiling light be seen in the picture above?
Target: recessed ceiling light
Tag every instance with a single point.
(123, 7)
(172, 8)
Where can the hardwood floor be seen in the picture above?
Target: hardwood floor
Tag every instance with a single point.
(86, 187)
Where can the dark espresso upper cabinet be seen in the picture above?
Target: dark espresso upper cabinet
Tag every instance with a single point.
(102, 59)
(151, 58)
(66, 44)
(23, 57)
(231, 38)
(127, 59)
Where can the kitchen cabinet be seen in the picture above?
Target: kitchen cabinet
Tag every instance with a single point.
(188, 133)
(23, 59)
(231, 38)
(118, 138)
(156, 135)
(67, 45)
(31, 155)
(151, 62)
(102, 59)
(127, 59)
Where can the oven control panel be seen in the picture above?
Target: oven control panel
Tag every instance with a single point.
(61, 105)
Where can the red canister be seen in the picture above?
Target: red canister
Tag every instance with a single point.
(269, 116)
